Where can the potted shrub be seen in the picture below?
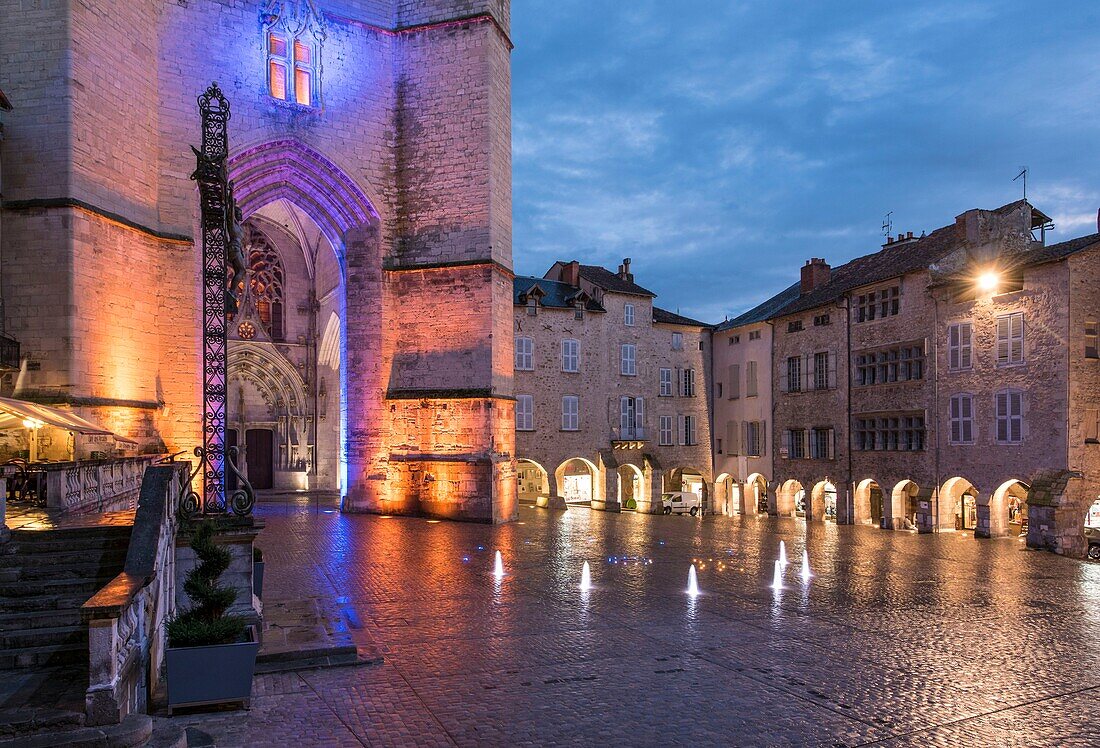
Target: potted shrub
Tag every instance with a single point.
(257, 572)
(211, 656)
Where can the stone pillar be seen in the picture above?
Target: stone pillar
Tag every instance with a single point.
(608, 482)
(650, 502)
(101, 700)
(5, 533)
(992, 517)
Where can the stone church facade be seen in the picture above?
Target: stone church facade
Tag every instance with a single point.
(370, 150)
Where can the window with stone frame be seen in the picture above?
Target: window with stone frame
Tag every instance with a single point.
(570, 356)
(901, 432)
(878, 304)
(1091, 349)
(795, 442)
(754, 438)
(293, 37)
(525, 354)
(677, 341)
(897, 364)
(821, 371)
(628, 315)
(751, 386)
(1010, 339)
(794, 374)
(961, 417)
(1009, 409)
(525, 412)
(631, 417)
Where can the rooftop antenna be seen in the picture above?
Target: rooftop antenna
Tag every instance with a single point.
(1022, 174)
(888, 224)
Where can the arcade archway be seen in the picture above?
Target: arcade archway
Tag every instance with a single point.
(631, 486)
(867, 507)
(532, 481)
(578, 481)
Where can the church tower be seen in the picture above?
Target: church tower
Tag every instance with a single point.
(370, 140)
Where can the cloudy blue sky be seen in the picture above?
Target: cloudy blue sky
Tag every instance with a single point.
(719, 144)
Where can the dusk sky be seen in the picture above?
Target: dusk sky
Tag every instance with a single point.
(721, 144)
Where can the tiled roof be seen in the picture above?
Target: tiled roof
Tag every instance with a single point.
(766, 310)
(610, 281)
(671, 318)
(555, 293)
(1059, 251)
(892, 262)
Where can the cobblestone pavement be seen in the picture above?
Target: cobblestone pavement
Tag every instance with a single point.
(897, 639)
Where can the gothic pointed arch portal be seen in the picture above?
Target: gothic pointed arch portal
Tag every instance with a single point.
(295, 193)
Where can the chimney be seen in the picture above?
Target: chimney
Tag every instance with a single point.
(571, 273)
(815, 273)
(624, 270)
(1098, 220)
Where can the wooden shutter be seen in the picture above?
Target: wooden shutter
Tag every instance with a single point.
(732, 446)
(679, 382)
(763, 428)
(639, 412)
(1092, 425)
(784, 385)
(787, 443)
(1004, 340)
(734, 381)
(832, 370)
(681, 430)
(832, 444)
(1016, 336)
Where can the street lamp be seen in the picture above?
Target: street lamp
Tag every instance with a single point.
(989, 281)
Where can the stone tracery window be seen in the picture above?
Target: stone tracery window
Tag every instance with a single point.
(293, 36)
(265, 278)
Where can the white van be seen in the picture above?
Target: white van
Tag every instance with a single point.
(680, 502)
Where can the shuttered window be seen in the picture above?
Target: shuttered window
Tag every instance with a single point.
(734, 384)
(1010, 417)
(666, 382)
(1010, 338)
(962, 418)
(959, 345)
(750, 379)
(525, 354)
(525, 413)
(570, 413)
(570, 355)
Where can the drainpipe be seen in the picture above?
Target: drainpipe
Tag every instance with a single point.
(773, 399)
(936, 407)
(850, 500)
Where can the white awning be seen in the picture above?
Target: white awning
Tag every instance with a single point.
(14, 412)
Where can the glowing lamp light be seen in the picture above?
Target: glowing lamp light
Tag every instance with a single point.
(30, 423)
(988, 281)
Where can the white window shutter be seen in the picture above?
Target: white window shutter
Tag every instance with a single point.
(639, 412)
(783, 383)
(679, 382)
(832, 445)
(832, 370)
(807, 371)
(735, 381)
(1092, 425)
(681, 430)
(787, 442)
(762, 426)
(1004, 343)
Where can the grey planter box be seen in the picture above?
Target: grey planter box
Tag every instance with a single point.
(212, 675)
(258, 579)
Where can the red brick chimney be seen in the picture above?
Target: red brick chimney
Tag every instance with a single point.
(815, 273)
(571, 273)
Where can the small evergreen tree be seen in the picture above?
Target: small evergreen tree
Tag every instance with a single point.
(206, 623)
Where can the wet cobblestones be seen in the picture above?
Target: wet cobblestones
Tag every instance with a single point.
(897, 640)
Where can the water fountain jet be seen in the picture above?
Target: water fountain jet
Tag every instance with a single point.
(777, 576)
(498, 567)
(586, 577)
(806, 566)
(783, 553)
(693, 582)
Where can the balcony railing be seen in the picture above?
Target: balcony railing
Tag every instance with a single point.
(634, 435)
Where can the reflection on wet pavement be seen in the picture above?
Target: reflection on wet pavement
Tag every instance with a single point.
(906, 639)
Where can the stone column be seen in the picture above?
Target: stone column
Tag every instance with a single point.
(650, 502)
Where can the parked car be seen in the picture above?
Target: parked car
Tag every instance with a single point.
(1092, 536)
(680, 502)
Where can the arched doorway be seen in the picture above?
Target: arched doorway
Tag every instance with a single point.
(902, 512)
(867, 506)
(790, 500)
(727, 495)
(756, 494)
(822, 506)
(959, 499)
(532, 481)
(689, 480)
(291, 190)
(631, 486)
(577, 481)
(1007, 510)
(1092, 531)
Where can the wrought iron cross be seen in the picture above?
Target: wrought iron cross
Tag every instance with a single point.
(219, 227)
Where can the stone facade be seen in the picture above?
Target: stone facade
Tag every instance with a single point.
(613, 453)
(400, 160)
(959, 367)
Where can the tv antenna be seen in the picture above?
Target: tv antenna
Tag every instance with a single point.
(888, 224)
(1023, 175)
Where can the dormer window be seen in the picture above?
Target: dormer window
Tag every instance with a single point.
(532, 306)
(293, 36)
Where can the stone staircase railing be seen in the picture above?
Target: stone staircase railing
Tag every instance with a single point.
(126, 618)
(92, 486)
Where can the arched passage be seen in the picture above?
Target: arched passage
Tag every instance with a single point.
(297, 187)
(727, 495)
(578, 481)
(1003, 510)
(532, 481)
(755, 500)
(822, 504)
(631, 486)
(958, 499)
(788, 498)
(867, 505)
(690, 480)
(901, 514)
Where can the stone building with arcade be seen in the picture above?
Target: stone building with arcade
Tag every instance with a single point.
(947, 382)
(611, 392)
(370, 151)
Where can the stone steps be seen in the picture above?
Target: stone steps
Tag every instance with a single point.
(45, 576)
(61, 731)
